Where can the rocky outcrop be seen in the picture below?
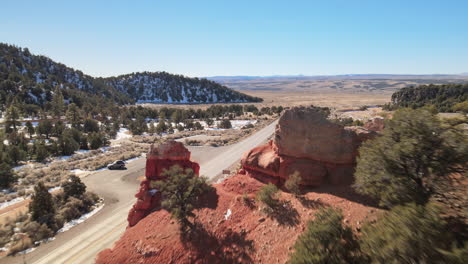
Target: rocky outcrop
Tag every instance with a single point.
(307, 143)
(376, 124)
(158, 160)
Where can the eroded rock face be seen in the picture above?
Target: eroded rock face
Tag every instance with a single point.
(159, 159)
(307, 143)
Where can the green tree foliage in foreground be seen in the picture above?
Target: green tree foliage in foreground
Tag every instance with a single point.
(181, 192)
(73, 187)
(411, 234)
(326, 241)
(410, 160)
(42, 206)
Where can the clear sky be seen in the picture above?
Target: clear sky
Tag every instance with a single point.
(237, 37)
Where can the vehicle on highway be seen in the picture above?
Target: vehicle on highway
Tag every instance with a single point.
(117, 165)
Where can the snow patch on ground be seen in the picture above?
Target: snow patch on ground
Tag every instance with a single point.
(72, 223)
(11, 202)
(122, 134)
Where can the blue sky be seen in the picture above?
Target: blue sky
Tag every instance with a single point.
(236, 37)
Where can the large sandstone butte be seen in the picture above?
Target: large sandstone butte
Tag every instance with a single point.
(159, 158)
(307, 143)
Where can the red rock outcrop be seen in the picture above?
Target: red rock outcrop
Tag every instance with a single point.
(234, 231)
(307, 143)
(376, 124)
(159, 158)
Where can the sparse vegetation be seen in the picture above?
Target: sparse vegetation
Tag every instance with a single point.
(268, 195)
(181, 191)
(326, 240)
(293, 182)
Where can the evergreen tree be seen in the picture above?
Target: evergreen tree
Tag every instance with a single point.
(73, 115)
(12, 116)
(96, 140)
(58, 104)
(209, 122)
(181, 192)
(42, 207)
(326, 241)
(16, 154)
(45, 128)
(408, 234)
(30, 129)
(67, 144)
(40, 151)
(7, 176)
(409, 161)
(161, 127)
(90, 125)
(73, 187)
(225, 123)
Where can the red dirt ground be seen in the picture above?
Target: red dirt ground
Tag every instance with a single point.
(247, 236)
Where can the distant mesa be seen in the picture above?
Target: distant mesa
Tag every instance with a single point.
(307, 143)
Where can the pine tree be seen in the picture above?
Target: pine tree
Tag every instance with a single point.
(7, 176)
(40, 151)
(73, 187)
(181, 192)
(409, 161)
(45, 128)
(42, 207)
(73, 115)
(12, 116)
(58, 104)
(30, 129)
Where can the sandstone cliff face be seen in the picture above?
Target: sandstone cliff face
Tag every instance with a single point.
(159, 158)
(307, 143)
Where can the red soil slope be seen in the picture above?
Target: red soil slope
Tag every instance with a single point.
(248, 235)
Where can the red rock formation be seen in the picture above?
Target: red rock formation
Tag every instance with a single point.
(159, 158)
(376, 124)
(307, 143)
(247, 235)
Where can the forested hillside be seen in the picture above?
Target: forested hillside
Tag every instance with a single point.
(170, 88)
(31, 80)
(443, 97)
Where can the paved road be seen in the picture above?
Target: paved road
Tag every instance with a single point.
(82, 243)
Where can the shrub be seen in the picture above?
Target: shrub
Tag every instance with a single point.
(225, 123)
(37, 231)
(293, 182)
(20, 245)
(73, 187)
(268, 195)
(407, 234)
(326, 241)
